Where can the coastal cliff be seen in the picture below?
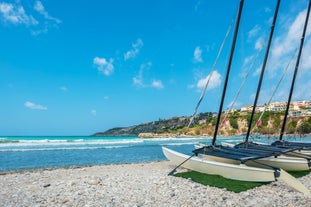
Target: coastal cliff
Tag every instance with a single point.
(204, 125)
(162, 126)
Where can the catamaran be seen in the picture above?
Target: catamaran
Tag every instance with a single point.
(302, 150)
(234, 171)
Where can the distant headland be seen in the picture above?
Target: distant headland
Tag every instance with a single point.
(298, 122)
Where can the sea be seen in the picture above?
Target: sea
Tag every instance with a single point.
(20, 153)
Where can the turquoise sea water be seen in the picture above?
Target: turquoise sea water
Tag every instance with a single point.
(33, 152)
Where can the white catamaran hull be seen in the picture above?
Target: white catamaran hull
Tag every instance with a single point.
(287, 164)
(231, 171)
(303, 151)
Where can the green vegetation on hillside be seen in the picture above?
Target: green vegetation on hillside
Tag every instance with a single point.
(204, 124)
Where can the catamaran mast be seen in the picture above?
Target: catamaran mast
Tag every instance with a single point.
(262, 71)
(228, 70)
(241, 86)
(274, 91)
(295, 72)
(210, 75)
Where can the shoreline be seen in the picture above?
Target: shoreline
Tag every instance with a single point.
(206, 136)
(141, 184)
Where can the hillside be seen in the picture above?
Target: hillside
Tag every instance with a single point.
(172, 125)
(204, 124)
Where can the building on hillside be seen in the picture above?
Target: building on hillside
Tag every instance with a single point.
(247, 109)
(260, 108)
(230, 111)
(277, 106)
(296, 108)
(295, 113)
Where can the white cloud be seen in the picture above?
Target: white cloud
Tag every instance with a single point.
(267, 10)
(157, 84)
(258, 70)
(93, 112)
(63, 88)
(31, 105)
(197, 5)
(247, 60)
(284, 44)
(214, 82)
(302, 90)
(254, 31)
(103, 65)
(259, 44)
(48, 21)
(306, 56)
(138, 80)
(40, 8)
(39, 31)
(191, 86)
(246, 64)
(135, 50)
(15, 14)
(197, 54)
(287, 42)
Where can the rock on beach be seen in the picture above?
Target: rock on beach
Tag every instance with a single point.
(143, 184)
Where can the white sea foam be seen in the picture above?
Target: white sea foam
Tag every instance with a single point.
(178, 144)
(172, 139)
(66, 143)
(61, 148)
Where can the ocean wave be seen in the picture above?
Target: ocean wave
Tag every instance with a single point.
(233, 140)
(173, 139)
(5, 140)
(21, 143)
(178, 144)
(64, 148)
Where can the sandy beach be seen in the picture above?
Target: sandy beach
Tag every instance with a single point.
(144, 184)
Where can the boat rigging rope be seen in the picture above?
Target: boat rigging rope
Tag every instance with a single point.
(243, 83)
(210, 75)
(295, 71)
(258, 123)
(262, 70)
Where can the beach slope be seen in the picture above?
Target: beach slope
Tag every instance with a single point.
(143, 184)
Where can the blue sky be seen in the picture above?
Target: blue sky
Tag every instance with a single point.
(80, 67)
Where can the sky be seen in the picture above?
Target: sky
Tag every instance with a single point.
(80, 67)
